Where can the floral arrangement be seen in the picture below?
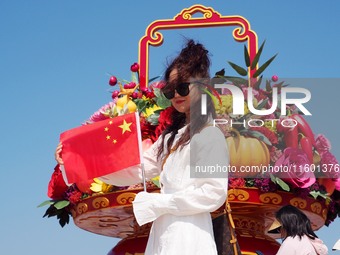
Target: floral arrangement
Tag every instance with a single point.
(279, 141)
(286, 142)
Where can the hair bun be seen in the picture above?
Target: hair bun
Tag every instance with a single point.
(192, 61)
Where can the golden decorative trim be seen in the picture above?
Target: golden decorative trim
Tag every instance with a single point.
(270, 198)
(249, 224)
(126, 198)
(298, 202)
(187, 13)
(324, 213)
(316, 207)
(100, 202)
(73, 213)
(238, 194)
(82, 208)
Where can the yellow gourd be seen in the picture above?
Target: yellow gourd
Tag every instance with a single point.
(247, 151)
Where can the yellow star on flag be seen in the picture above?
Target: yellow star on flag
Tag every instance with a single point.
(125, 126)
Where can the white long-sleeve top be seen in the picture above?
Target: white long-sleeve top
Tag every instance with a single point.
(181, 211)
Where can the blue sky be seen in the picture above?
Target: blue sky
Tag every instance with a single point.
(54, 65)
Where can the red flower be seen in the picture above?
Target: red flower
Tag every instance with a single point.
(147, 129)
(236, 182)
(163, 121)
(75, 197)
(57, 185)
(149, 94)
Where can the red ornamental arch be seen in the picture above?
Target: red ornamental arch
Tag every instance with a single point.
(185, 19)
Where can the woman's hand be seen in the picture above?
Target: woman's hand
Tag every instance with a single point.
(57, 154)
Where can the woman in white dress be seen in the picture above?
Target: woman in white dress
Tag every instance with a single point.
(180, 213)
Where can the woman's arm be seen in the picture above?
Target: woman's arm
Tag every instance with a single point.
(205, 195)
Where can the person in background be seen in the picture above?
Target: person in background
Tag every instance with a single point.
(296, 232)
(180, 213)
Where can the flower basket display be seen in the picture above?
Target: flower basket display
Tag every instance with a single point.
(260, 143)
(111, 215)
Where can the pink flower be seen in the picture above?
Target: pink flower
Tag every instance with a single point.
(99, 115)
(293, 166)
(322, 144)
(275, 154)
(258, 94)
(329, 164)
(157, 84)
(337, 184)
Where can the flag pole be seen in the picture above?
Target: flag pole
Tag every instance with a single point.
(140, 150)
(143, 176)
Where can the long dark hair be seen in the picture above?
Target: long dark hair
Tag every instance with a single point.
(295, 222)
(192, 61)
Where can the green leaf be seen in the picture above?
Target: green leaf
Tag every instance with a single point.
(122, 81)
(153, 119)
(257, 56)
(246, 56)
(134, 77)
(316, 194)
(141, 104)
(47, 202)
(220, 73)
(263, 103)
(264, 66)
(279, 86)
(236, 80)
(156, 182)
(272, 178)
(282, 184)
(238, 69)
(51, 211)
(249, 182)
(259, 136)
(61, 204)
(268, 87)
(154, 78)
(157, 92)
(64, 218)
(258, 83)
(161, 100)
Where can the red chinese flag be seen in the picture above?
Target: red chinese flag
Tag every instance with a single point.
(101, 148)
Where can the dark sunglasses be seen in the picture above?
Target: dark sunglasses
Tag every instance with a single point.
(182, 89)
